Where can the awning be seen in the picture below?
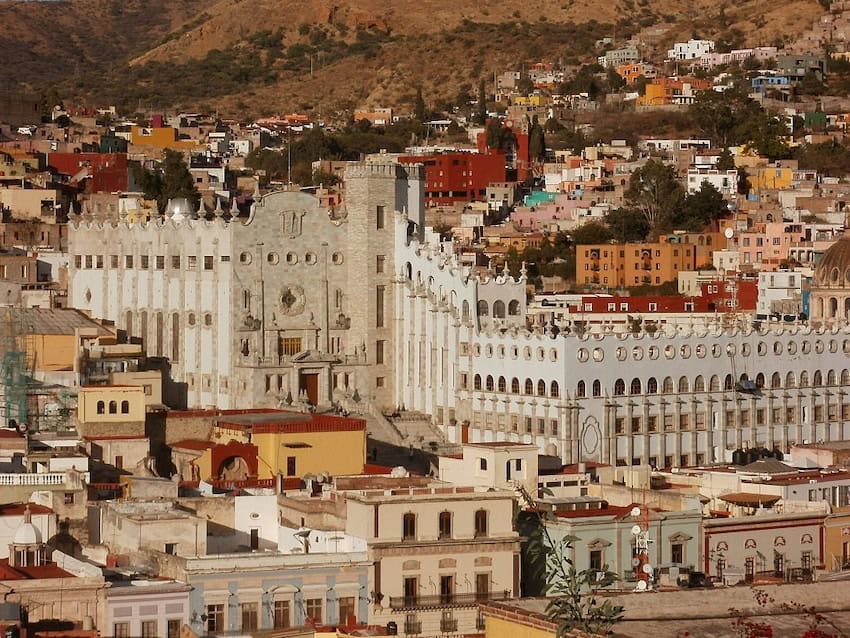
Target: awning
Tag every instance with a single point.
(748, 499)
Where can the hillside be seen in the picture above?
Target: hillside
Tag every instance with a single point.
(249, 57)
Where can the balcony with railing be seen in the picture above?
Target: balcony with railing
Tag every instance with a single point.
(447, 600)
(448, 625)
(412, 627)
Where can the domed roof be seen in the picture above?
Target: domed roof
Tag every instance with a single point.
(834, 267)
(27, 534)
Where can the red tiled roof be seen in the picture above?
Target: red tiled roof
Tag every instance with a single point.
(51, 570)
(17, 509)
(10, 434)
(373, 469)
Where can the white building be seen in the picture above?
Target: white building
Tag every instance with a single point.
(779, 293)
(690, 50)
(724, 181)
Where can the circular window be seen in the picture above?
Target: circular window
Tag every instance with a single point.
(553, 354)
(291, 258)
(88, 294)
(598, 354)
(745, 349)
(541, 354)
(700, 350)
(685, 351)
(244, 258)
(833, 345)
(515, 353)
(818, 346)
(488, 351)
(637, 353)
(653, 352)
(526, 353)
(792, 347)
(272, 258)
(191, 319)
(806, 347)
(621, 354)
(762, 348)
(846, 346)
(581, 355)
(208, 319)
(500, 351)
(310, 258)
(477, 350)
(337, 258)
(669, 352)
(777, 347)
(731, 349)
(716, 350)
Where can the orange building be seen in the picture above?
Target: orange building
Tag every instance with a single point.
(631, 71)
(162, 137)
(645, 263)
(675, 90)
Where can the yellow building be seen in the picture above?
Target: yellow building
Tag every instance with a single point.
(111, 410)
(261, 444)
(504, 620)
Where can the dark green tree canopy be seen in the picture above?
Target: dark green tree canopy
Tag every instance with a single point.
(655, 191)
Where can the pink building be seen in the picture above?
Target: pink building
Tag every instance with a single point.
(562, 208)
(769, 244)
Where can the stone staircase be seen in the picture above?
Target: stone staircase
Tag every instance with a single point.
(408, 439)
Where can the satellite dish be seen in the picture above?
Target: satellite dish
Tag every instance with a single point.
(641, 586)
(635, 530)
(647, 569)
(635, 511)
(729, 233)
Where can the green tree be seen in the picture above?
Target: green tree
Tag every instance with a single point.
(419, 106)
(699, 209)
(743, 185)
(481, 111)
(654, 191)
(627, 224)
(592, 232)
(177, 181)
(829, 158)
(725, 162)
(524, 85)
(536, 140)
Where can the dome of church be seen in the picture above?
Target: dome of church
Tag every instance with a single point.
(178, 209)
(27, 534)
(833, 271)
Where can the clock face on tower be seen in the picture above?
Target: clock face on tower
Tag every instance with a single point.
(590, 437)
(291, 300)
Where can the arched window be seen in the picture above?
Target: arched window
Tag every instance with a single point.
(515, 385)
(480, 523)
(464, 311)
(619, 388)
(488, 383)
(408, 526)
(804, 379)
(554, 390)
(125, 407)
(113, 407)
(483, 310)
(684, 385)
(476, 382)
(529, 387)
(634, 388)
(831, 378)
(513, 308)
(175, 337)
(541, 388)
(776, 380)
(817, 379)
(845, 377)
(714, 383)
(101, 407)
(499, 309)
(759, 380)
(159, 329)
(581, 390)
(502, 385)
(728, 382)
(652, 385)
(699, 384)
(445, 524)
(789, 380)
(128, 323)
(667, 386)
(597, 388)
